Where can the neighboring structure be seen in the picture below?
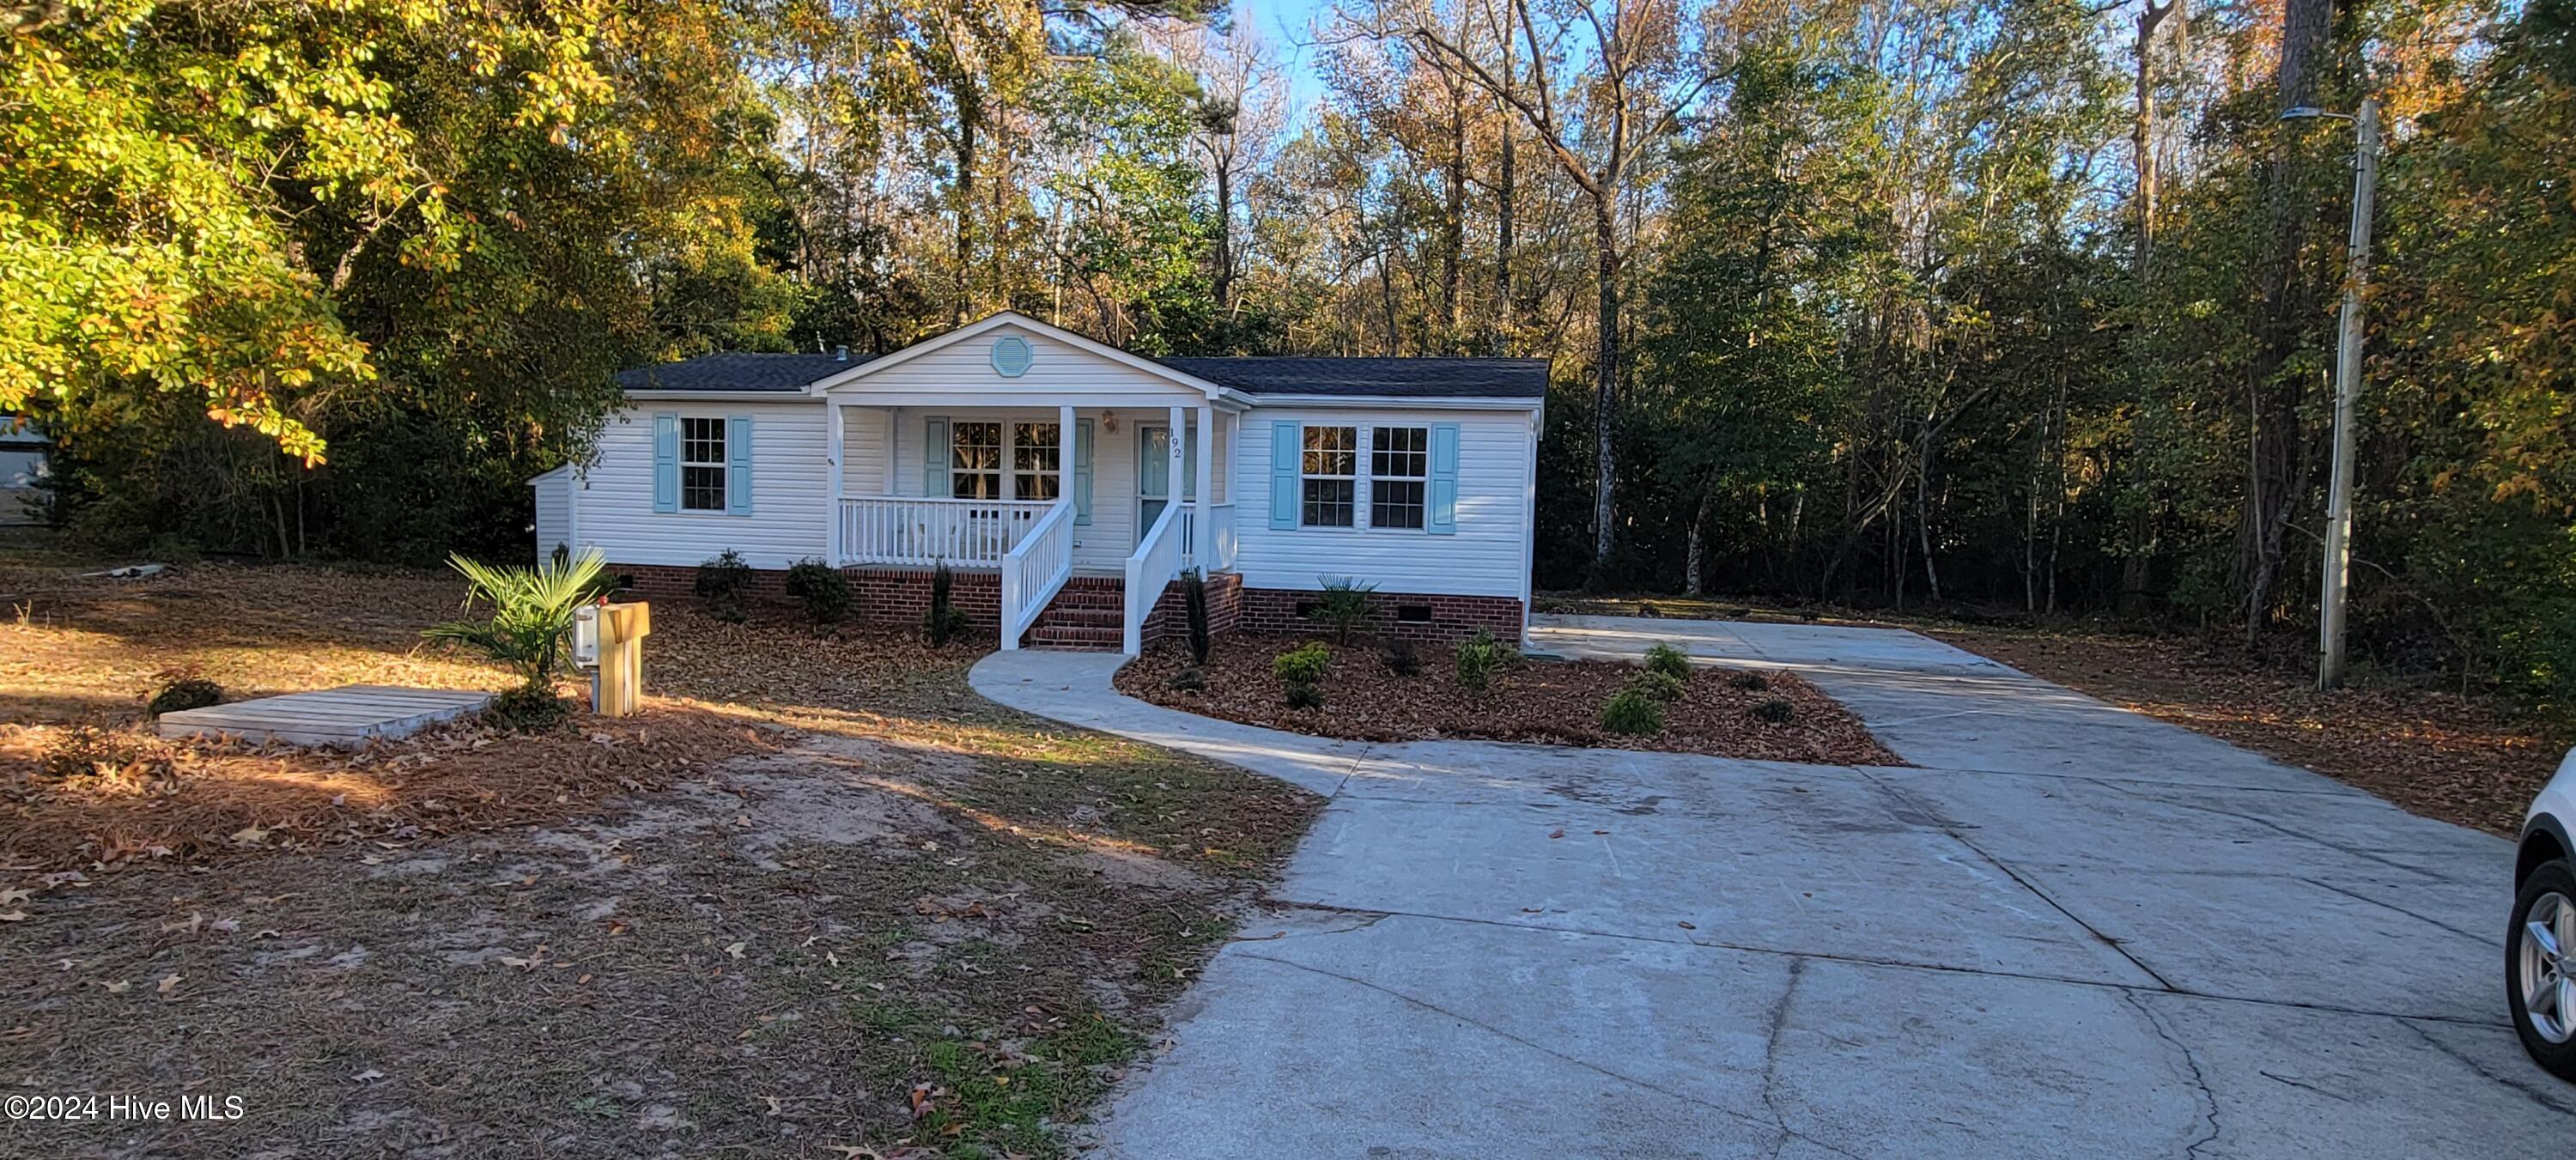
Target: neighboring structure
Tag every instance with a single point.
(22, 463)
(1043, 468)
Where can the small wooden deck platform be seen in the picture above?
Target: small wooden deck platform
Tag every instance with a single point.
(350, 715)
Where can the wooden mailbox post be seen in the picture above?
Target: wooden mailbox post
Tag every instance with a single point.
(617, 685)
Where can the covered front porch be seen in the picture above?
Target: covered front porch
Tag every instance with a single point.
(1037, 494)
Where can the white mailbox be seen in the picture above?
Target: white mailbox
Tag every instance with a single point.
(585, 636)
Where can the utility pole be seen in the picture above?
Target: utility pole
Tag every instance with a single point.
(2338, 543)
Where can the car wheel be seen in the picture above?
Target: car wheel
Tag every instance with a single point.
(2540, 967)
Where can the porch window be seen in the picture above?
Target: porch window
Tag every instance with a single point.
(1037, 460)
(975, 461)
(1330, 476)
(702, 464)
(1399, 469)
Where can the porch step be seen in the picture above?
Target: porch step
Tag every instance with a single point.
(1089, 615)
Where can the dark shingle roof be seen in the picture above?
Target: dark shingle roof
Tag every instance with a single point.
(1407, 378)
(1403, 378)
(732, 371)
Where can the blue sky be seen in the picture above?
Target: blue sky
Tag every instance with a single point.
(1284, 24)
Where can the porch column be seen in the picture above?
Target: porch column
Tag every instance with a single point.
(1064, 453)
(833, 548)
(1203, 542)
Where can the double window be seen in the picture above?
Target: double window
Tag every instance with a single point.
(1399, 476)
(981, 466)
(702, 464)
(1330, 477)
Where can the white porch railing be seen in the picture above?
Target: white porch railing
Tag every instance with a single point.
(1152, 565)
(1221, 555)
(967, 533)
(1035, 569)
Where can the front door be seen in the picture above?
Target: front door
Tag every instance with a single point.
(1154, 475)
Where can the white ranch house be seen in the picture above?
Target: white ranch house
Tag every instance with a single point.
(1043, 469)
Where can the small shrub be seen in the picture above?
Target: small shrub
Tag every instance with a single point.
(1670, 661)
(1660, 686)
(87, 749)
(525, 709)
(1775, 711)
(1194, 611)
(725, 584)
(182, 694)
(1749, 682)
(532, 613)
(1302, 665)
(1301, 670)
(1478, 657)
(822, 589)
(945, 619)
(1190, 679)
(1632, 711)
(1344, 605)
(1402, 658)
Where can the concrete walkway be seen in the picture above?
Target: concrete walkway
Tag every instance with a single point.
(2067, 930)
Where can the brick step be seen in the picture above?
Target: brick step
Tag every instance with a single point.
(1093, 599)
(1075, 638)
(1109, 618)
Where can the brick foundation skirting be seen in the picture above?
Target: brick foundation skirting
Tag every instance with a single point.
(1413, 616)
(898, 599)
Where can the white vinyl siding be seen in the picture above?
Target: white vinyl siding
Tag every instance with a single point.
(554, 511)
(789, 474)
(863, 451)
(1488, 556)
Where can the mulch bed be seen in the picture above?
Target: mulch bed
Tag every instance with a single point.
(1548, 702)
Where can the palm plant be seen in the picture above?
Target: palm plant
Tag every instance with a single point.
(532, 612)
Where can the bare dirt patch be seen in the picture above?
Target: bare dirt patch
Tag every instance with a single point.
(906, 920)
(1550, 702)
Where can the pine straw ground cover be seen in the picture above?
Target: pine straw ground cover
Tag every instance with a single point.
(1550, 702)
(894, 919)
(2461, 759)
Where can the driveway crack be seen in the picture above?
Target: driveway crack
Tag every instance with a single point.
(1786, 1132)
(2199, 1082)
(2535, 1095)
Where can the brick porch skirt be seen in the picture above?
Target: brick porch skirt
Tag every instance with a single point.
(898, 599)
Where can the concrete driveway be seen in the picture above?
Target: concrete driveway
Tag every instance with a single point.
(2067, 929)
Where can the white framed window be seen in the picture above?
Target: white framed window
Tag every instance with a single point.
(1329, 477)
(1399, 475)
(1037, 460)
(702, 464)
(975, 461)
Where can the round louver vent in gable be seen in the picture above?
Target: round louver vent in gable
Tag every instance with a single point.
(1011, 356)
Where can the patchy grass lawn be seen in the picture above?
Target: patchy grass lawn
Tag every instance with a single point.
(2442, 755)
(868, 911)
(1724, 712)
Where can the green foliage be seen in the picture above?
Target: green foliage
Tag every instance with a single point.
(1479, 657)
(945, 620)
(184, 694)
(1749, 681)
(1305, 664)
(724, 583)
(1344, 605)
(1305, 696)
(822, 589)
(83, 750)
(531, 614)
(1661, 686)
(1403, 658)
(1632, 711)
(1189, 679)
(1670, 661)
(525, 709)
(1194, 611)
(1775, 711)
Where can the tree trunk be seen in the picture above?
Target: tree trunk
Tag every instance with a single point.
(1690, 562)
(2141, 529)
(1605, 378)
(963, 151)
(1505, 190)
(1225, 237)
(2274, 461)
(1453, 231)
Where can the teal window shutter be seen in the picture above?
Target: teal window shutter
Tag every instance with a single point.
(1287, 455)
(935, 454)
(1442, 518)
(666, 463)
(1082, 471)
(738, 465)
